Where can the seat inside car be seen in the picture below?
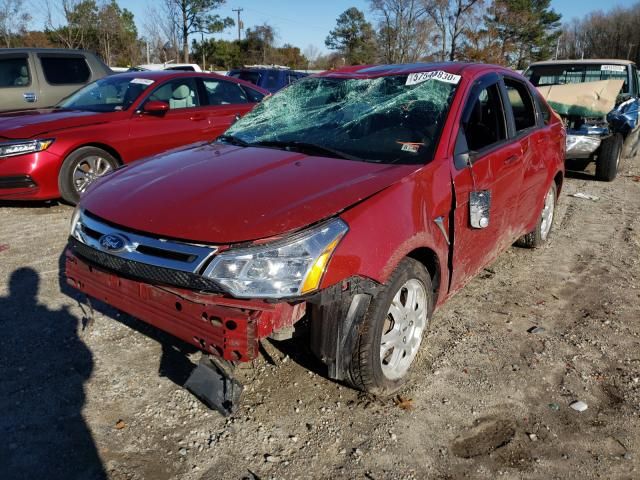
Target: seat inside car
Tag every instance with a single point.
(23, 78)
(181, 97)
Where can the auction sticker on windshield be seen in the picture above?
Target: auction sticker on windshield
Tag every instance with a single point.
(415, 78)
(142, 81)
(612, 68)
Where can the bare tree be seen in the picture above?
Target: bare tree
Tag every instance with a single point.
(311, 53)
(451, 18)
(404, 29)
(78, 20)
(13, 20)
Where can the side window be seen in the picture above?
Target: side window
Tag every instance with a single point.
(178, 93)
(486, 124)
(253, 95)
(14, 72)
(220, 92)
(65, 70)
(524, 112)
(272, 80)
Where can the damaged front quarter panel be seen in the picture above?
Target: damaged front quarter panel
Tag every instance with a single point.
(336, 315)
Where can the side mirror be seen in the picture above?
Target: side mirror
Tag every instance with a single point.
(155, 107)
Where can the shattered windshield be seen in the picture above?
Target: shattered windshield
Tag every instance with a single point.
(109, 94)
(543, 75)
(389, 119)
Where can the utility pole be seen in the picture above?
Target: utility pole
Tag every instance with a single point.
(238, 10)
(204, 66)
(631, 45)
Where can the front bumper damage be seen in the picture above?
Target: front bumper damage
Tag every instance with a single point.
(224, 327)
(582, 146)
(229, 330)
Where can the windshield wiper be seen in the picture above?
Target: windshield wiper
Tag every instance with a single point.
(232, 140)
(306, 147)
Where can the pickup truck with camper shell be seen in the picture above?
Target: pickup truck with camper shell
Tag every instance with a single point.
(599, 103)
(360, 199)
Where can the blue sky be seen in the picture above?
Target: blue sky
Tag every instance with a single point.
(305, 22)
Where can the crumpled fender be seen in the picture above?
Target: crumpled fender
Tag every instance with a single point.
(624, 118)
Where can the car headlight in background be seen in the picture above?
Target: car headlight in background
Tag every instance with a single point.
(10, 149)
(286, 268)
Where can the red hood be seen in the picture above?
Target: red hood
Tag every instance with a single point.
(31, 123)
(222, 194)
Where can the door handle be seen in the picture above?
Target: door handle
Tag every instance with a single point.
(30, 97)
(511, 159)
(539, 140)
(197, 117)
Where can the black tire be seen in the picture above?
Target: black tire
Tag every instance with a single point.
(69, 190)
(366, 369)
(539, 235)
(609, 158)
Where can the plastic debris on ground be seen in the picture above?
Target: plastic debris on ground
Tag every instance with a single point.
(585, 196)
(579, 406)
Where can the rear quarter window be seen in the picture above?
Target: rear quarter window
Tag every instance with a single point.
(65, 70)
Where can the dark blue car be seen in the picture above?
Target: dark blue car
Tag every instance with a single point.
(269, 78)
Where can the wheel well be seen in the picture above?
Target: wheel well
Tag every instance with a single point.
(429, 259)
(104, 147)
(558, 179)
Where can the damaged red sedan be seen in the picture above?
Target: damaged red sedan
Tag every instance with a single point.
(361, 199)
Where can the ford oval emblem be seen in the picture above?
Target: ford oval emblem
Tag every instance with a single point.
(113, 243)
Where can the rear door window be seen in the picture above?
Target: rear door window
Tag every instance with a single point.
(220, 92)
(14, 71)
(65, 70)
(524, 112)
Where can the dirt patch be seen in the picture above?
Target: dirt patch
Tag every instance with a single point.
(484, 387)
(486, 436)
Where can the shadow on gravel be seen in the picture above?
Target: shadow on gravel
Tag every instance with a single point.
(575, 168)
(174, 361)
(43, 367)
(29, 203)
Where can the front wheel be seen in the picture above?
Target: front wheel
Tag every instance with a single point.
(390, 336)
(81, 168)
(608, 160)
(539, 235)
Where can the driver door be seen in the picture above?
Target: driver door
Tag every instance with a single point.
(485, 161)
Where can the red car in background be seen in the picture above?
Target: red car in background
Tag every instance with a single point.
(361, 199)
(58, 152)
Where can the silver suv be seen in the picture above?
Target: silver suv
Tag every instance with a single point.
(41, 77)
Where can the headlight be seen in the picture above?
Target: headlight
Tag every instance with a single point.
(11, 149)
(285, 268)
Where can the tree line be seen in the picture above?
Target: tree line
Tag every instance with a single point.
(507, 32)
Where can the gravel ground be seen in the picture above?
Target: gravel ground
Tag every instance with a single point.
(82, 399)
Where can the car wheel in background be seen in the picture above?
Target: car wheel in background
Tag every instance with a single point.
(81, 168)
(608, 160)
(541, 233)
(390, 336)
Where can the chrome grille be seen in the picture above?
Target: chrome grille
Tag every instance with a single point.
(158, 252)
